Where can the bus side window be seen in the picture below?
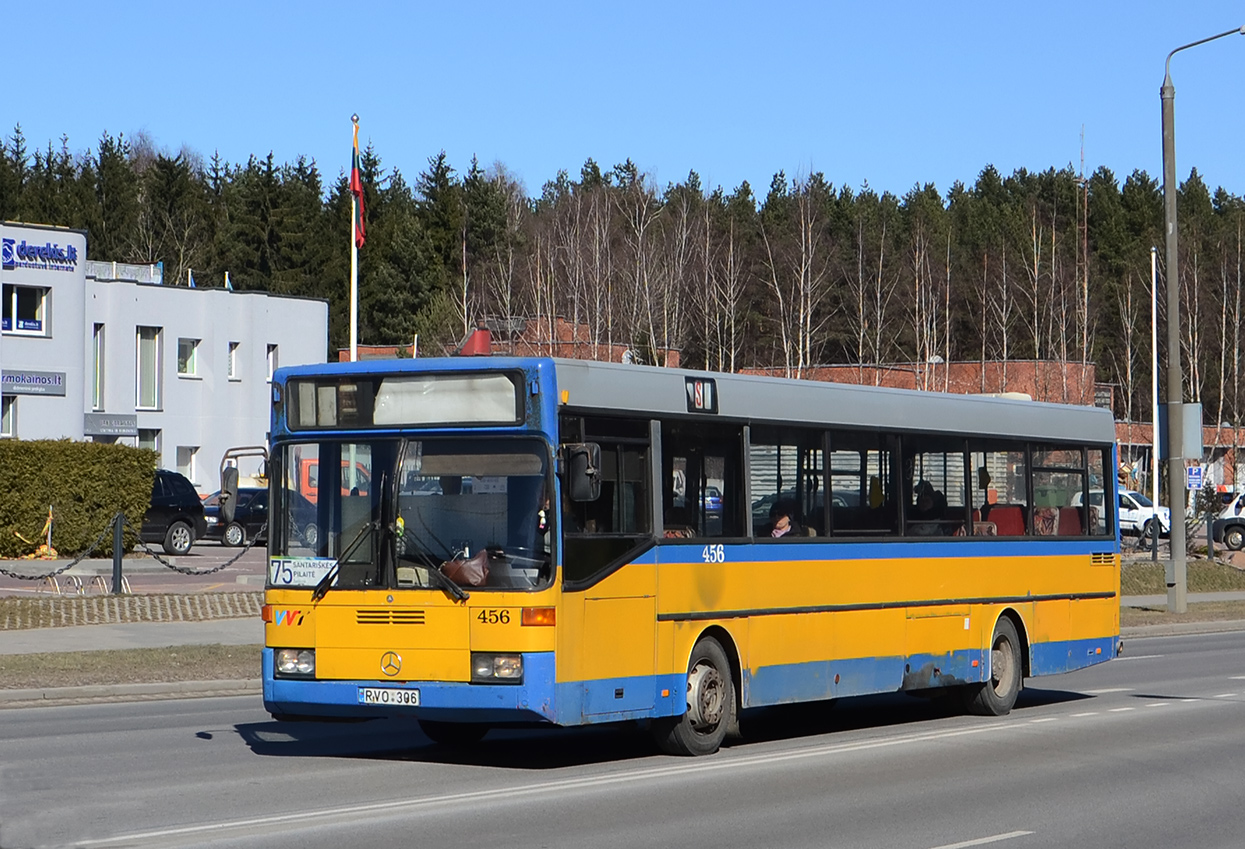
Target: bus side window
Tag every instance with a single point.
(785, 465)
(702, 479)
(599, 535)
(862, 472)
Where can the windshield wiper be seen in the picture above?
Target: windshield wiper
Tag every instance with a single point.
(425, 561)
(322, 588)
(451, 589)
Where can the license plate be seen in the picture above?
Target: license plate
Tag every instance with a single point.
(388, 696)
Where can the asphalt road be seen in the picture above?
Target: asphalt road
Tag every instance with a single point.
(1143, 752)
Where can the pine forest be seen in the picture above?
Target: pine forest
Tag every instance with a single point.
(1050, 265)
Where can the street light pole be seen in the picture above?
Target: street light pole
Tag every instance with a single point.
(1177, 581)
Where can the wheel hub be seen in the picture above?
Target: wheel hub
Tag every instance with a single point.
(1002, 670)
(705, 696)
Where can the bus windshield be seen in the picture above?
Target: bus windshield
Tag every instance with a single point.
(393, 510)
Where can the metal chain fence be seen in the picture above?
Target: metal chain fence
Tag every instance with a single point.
(159, 559)
(183, 570)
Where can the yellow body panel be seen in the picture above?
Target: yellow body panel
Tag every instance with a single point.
(869, 609)
(609, 630)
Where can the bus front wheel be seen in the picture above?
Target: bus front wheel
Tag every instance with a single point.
(453, 733)
(710, 705)
(998, 694)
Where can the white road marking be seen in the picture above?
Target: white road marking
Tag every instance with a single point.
(1118, 710)
(1087, 713)
(475, 798)
(1157, 704)
(1137, 657)
(1238, 677)
(1224, 696)
(1108, 690)
(1044, 719)
(982, 841)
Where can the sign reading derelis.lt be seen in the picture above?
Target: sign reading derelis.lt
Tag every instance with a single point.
(50, 256)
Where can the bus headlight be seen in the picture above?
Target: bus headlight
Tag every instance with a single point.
(301, 662)
(487, 667)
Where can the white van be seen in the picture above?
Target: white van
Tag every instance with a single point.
(1233, 507)
(1136, 511)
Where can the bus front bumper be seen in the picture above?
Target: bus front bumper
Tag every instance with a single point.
(450, 701)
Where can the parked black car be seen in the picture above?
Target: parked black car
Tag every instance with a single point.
(175, 517)
(251, 516)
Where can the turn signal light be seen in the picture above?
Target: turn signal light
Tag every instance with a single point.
(265, 612)
(539, 616)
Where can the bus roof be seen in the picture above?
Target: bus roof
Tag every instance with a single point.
(644, 389)
(626, 388)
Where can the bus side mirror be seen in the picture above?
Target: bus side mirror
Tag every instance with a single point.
(583, 470)
(228, 493)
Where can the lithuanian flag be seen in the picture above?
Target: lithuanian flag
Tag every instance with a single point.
(356, 189)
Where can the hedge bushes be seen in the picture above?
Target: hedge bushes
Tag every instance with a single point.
(85, 483)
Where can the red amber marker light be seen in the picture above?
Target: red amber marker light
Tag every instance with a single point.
(539, 616)
(265, 612)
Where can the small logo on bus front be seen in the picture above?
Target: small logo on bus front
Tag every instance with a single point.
(391, 663)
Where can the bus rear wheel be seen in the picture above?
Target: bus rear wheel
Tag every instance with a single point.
(997, 695)
(453, 733)
(710, 705)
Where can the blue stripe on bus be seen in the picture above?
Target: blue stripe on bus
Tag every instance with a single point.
(539, 699)
(1066, 655)
(797, 682)
(616, 699)
(892, 548)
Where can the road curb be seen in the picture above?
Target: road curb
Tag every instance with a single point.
(37, 696)
(1180, 629)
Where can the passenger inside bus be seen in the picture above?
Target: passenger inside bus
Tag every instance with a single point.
(925, 518)
(782, 522)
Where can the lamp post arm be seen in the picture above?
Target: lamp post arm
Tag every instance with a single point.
(1167, 68)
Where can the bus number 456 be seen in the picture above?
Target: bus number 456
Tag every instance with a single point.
(714, 554)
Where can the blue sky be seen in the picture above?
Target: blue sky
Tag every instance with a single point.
(890, 93)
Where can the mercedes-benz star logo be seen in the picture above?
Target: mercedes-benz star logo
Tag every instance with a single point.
(391, 663)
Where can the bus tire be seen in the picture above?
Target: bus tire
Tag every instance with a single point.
(710, 705)
(997, 695)
(453, 733)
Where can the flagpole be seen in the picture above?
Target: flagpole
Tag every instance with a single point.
(354, 264)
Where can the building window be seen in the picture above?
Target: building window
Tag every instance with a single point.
(233, 361)
(187, 359)
(97, 368)
(8, 413)
(148, 369)
(149, 438)
(272, 361)
(25, 310)
(186, 461)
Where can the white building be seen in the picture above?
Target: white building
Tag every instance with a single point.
(104, 351)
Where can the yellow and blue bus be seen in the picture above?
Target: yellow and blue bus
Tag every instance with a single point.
(504, 541)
